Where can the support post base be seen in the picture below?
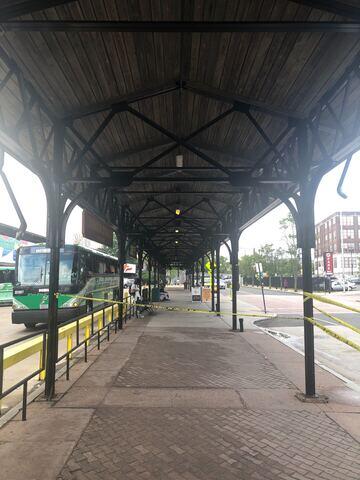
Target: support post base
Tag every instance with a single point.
(56, 397)
(311, 398)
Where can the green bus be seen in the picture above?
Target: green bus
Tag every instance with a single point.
(6, 284)
(82, 272)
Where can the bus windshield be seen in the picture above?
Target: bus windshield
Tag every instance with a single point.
(34, 268)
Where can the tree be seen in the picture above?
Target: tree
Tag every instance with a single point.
(267, 258)
(246, 265)
(287, 225)
(225, 265)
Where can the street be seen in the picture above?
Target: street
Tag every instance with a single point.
(284, 303)
(329, 352)
(8, 331)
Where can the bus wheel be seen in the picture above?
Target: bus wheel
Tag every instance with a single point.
(29, 326)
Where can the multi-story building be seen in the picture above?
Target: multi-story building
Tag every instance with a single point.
(339, 234)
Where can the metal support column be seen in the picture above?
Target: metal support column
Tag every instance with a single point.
(149, 267)
(55, 204)
(305, 229)
(121, 238)
(202, 271)
(234, 275)
(192, 275)
(308, 217)
(212, 280)
(197, 272)
(218, 279)
(140, 267)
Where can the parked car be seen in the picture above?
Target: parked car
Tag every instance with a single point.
(207, 283)
(339, 285)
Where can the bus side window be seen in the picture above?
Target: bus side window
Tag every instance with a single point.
(96, 265)
(82, 273)
(90, 268)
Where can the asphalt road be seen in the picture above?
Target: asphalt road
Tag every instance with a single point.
(8, 331)
(329, 352)
(290, 303)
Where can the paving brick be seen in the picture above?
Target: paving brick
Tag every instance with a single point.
(210, 359)
(205, 456)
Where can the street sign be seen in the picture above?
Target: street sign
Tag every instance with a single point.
(328, 262)
(129, 267)
(196, 294)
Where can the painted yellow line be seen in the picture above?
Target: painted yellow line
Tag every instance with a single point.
(330, 302)
(170, 309)
(333, 334)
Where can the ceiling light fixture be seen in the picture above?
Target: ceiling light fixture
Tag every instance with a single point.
(177, 211)
(179, 161)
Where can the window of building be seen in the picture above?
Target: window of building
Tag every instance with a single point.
(335, 262)
(349, 247)
(347, 220)
(348, 234)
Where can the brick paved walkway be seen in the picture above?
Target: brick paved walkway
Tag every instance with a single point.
(177, 443)
(180, 397)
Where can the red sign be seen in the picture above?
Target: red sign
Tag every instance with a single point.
(328, 262)
(129, 267)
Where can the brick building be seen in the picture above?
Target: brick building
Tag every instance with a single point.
(340, 234)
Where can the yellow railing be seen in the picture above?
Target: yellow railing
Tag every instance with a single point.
(26, 349)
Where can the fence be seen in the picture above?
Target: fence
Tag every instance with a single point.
(320, 284)
(98, 322)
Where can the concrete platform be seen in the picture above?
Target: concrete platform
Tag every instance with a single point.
(179, 396)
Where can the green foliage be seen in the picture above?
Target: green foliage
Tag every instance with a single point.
(225, 265)
(275, 261)
(110, 250)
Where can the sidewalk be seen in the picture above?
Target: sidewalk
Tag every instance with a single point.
(179, 396)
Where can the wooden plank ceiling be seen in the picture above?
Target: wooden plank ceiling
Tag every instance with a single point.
(286, 73)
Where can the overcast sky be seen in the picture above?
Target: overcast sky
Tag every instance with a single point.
(29, 192)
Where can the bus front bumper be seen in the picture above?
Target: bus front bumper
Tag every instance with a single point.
(34, 317)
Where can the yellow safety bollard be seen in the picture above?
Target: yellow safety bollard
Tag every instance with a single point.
(42, 374)
(87, 335)
(69, 344)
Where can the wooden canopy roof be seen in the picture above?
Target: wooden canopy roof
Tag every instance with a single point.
(226, 85)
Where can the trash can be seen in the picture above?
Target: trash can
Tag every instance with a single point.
(155, 294)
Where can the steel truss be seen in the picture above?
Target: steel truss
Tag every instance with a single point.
(333, 127)
(291, 168)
